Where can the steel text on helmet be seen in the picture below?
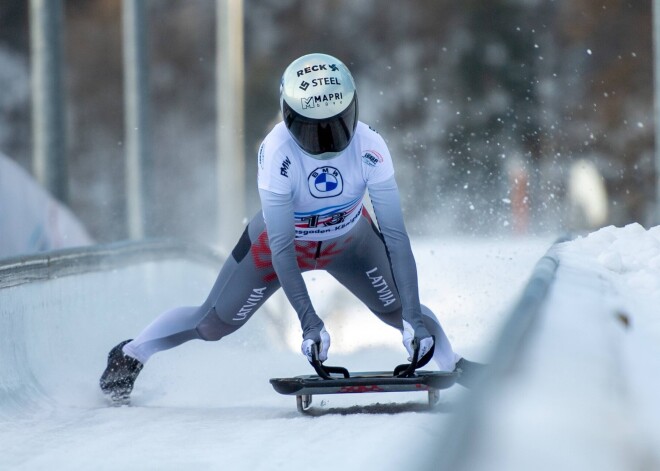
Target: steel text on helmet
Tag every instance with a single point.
(319, 105)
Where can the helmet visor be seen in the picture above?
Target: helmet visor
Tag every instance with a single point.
(318, 136)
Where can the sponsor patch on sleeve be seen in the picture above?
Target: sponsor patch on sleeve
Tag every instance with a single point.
(372, 158)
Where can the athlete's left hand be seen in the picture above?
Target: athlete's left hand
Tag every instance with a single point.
(323, 347)
(425, 350)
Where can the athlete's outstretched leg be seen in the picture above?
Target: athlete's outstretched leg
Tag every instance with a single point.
(126, 360)
(244, 283)
(170, 329)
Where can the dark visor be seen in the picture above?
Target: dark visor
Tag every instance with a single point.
(317, 136)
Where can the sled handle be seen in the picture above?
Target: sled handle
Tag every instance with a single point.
(408, 369)
(325, 371)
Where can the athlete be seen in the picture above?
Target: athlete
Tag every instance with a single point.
(314, 168)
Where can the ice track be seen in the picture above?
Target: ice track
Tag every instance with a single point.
(209, 405)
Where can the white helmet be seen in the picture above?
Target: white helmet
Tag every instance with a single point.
(319, 104)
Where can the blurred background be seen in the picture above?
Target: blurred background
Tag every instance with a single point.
(503, 117)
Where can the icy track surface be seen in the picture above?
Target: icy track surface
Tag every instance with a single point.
(210, 405)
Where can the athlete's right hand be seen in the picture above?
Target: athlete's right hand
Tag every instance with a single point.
(425, 344)
(322, 348)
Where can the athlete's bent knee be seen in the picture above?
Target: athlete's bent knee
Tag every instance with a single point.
(211, 328)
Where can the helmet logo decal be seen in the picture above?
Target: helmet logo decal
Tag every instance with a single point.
(316, 101)
(307, 102)
(304, 85)
(316, 68)
(325, 182)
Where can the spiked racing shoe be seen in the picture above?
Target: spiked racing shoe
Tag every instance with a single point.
(119, 376)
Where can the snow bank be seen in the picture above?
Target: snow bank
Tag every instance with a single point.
(584, 395)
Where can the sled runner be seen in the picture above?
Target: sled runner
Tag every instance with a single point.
(338, 380)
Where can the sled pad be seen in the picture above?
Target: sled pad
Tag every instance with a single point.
(337, 380)
(373, 381)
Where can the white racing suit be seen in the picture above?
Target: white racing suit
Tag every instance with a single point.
(312, 218)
